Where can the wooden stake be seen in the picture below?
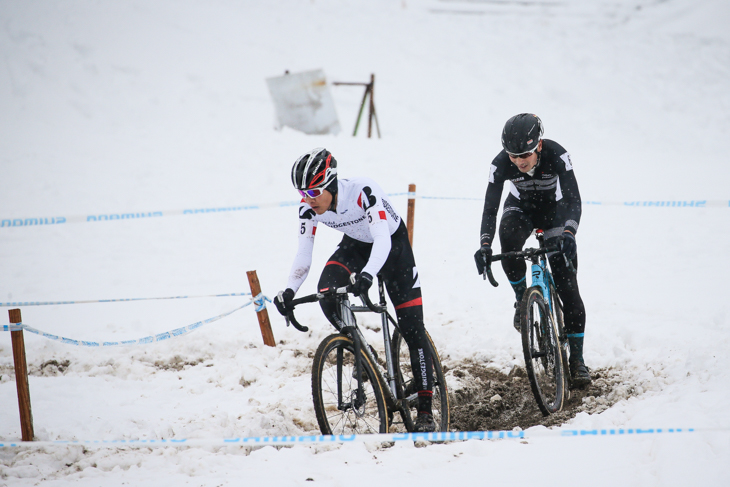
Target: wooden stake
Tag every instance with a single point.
(263, 315)
(372, 115)
(21, 378)
(411, 211)
(372, 105)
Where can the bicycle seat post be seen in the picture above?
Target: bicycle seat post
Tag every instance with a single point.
(540, 236)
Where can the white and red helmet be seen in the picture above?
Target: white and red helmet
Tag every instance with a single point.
(316, 169)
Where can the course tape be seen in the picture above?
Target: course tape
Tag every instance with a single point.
(56, 220)
(375, 438)
(178, 332)
(50, 303)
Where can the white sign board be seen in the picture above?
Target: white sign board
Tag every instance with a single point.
(303, 102)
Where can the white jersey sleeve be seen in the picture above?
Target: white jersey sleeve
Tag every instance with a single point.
(303, 259)
(371, 201)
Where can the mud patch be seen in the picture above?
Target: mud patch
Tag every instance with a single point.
(493, 400)
(49, 368)
(177, 363)
(54, 368)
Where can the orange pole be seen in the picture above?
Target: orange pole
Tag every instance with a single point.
(411, 211)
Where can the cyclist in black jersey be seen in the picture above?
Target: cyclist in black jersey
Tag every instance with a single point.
(375, 243)
(543, 193)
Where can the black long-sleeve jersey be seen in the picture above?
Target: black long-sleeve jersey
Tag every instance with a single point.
(553, 184)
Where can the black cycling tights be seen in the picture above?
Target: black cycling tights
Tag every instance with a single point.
(514, 230)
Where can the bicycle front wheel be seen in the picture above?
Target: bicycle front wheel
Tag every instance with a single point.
(541, 347)
(344, 403)
(406, 383)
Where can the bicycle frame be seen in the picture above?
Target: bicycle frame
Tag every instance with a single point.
(385, 318)
(351, 329)
(396, 389)
(542, 277)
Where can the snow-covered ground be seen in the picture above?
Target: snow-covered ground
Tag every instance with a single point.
(135, 106)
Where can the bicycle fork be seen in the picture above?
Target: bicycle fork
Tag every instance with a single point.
(351, 330)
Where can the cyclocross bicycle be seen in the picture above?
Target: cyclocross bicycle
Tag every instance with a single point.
(354, 390)
(544, 340)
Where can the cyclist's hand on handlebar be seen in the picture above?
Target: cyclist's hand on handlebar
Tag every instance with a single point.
(567, 245)
(283, 301)
(483, 258)
(361, 283)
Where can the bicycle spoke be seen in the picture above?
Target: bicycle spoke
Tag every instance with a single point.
(542, 352)
(345, 403)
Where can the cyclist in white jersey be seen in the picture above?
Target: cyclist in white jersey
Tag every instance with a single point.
(375, 242)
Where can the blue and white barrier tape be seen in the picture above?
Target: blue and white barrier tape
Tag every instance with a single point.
(375, 438)
(260, 302)
(141, 341)
(49, 303)
(55, 220)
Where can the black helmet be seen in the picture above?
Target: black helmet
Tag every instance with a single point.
(522, 133)
(316, 169)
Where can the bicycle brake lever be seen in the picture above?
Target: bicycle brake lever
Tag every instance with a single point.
(290, 320)
(569, 264)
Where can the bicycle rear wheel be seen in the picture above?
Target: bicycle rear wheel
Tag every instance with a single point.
(339, 408)
(406, 384)
(541, 347)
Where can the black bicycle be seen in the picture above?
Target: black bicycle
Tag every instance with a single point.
(544, 340)
(356, 391)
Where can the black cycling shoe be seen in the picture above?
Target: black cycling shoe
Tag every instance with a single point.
(516, 322)
(579, 374)
(424, 423)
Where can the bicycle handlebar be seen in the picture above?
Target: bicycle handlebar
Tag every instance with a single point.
(323, 294)
(522, 254)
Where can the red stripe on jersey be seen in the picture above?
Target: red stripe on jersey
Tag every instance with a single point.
(408, 304)
(359, 200)
(314, 230)
(382, 215)
(334, 262)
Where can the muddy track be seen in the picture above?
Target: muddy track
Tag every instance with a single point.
(492, 400)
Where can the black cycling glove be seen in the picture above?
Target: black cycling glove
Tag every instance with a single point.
(567, 245)
(283, 301)
(362, 283)
(483, 258)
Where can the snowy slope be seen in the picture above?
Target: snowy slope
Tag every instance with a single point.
(132, 106)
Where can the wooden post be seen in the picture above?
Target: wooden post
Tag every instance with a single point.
(263, 315)
(411, 211)
(373, 115)
(371, 87)
(21, 377)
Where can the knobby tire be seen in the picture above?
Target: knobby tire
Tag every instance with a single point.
(351, 415)
(542, 351)
(406, 385)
